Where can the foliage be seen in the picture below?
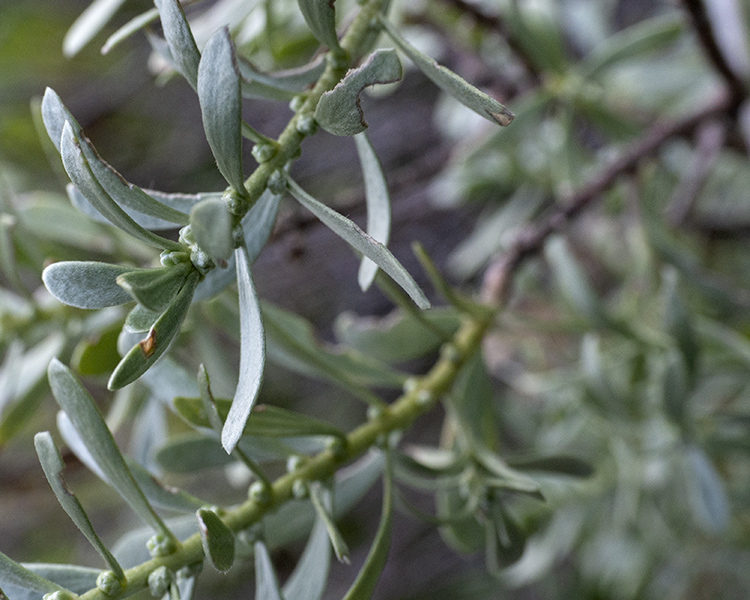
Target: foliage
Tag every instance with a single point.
(588, 364)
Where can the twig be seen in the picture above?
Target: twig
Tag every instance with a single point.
(702, 25)
(532, 237)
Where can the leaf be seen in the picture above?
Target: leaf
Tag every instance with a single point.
(139, 320)
(559, 465)
(678, 322)
(398, 336)
(189, 453)
(145, 353)
(211, 226)
(505, 540)
(264, 420)
(339, 111)
(252, 355)
(53, 467)
(155, 288)
(472, 400)
(378, 205)
(266, 582)
(217, 539)
(97, 353)
(80, 408)
(320, 16)
(161, 496)
(450, 83)
(281, 84)
(88, 24)
(503, 476)
(308, 580)
(13, 574)
(707, 493)
(463, 533)
(360, 241)
(132, 199)
(72, 577)
(221, 106)
(86, 284)
(364, 585)
(131, 27)
(179, 39)
(79, 171)
(322, 501)
(675, 390)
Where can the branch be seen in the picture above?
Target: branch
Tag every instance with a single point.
(531, 238)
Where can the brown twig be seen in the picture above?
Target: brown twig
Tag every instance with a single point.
(531, 238)
(702, 25)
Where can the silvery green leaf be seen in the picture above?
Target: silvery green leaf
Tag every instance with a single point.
(308, 580)
(473, 402)
(364, 585)
(140, 320)
(266, 582)
(133, 26)
(179, 39)
(321, 19)
(88, 24)
(500, 475)
(217, 539)
(322, 501)
(221, 106)
(77, 446)
(86, 284)
(505, 542)
(161, 496)
(13, 575)
(707, 493)
(128, 196)
(280, 84)
(462, 531)
(189, 453)
(79, 170)
(72, 577)
(378, 205)
(678, 322)
(339, 111)
(179, 201)
(155, 288)
(145, 353)
(398, 336)
(131, 550)
(54, 468)
(361, 242)
(252, 355)
(81, 409)
(562, 465)
(450, 83)
(211, 226)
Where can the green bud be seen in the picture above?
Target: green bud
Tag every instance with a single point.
(307, 125)
(186, 236)
(277, 182)
(170, 258)
(424, 397)
(260, 492)
(300, 490)
(160, 545)
(201, 261)
(297, 102)
(449, 352)
(374, 412)
(263, 152)
(189, 571)
(411, 384)
(293, 463)
(159, 581)
(109, 584)
(59, 595)
(337, 447)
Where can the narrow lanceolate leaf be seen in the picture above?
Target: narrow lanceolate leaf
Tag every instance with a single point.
(81, 409)
(257, 83)
(252, 355)
(133, 26)
(321, 19)
(339, 111)
(707, 492)
(53, 467)
(79, 171)
(505, 541)
(86, 284)
(221, 106)
(450, 83)
(155, 288)
(179, 39)
(308, 580)
(211, 226)
(14, 575)
(145, 353)
(378, 205)
(364, 585)
(266, 582)
(88, 24)
(360, 241)
(217, 538)
(132, 199)
(323, 502)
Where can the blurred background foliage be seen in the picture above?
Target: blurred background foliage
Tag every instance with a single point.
(625, 342)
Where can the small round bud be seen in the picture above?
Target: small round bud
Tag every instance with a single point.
(339, 60)
(59, 595)
(263, 152)
(300, 490)
(449, 352)
(170, 258)
(260, 492)
(276, 182)
(186, 236)
(337, 446)
(201, 261)
(411, 384)
(307, 125)
(159, 581)
(189, 571)
(424, 397)
(160, 545)
(297, 102)
(374, 412)
(293, 463)
(109, 584)
(235, 202)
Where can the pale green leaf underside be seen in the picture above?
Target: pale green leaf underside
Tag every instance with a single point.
(86, 284)
(133, 26)
(179, 39)
(308, 580)
(81, 409)
(266, 581)
(339, 111)
(88, 24)
(217, 538)
(53, 467)
(320, 16)
(450, 83)
(252, 355)
(361, 242)
(322, 500)
(221, 106)
(155, 288)
(211, 225)
(280, 84)
(378, 205)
